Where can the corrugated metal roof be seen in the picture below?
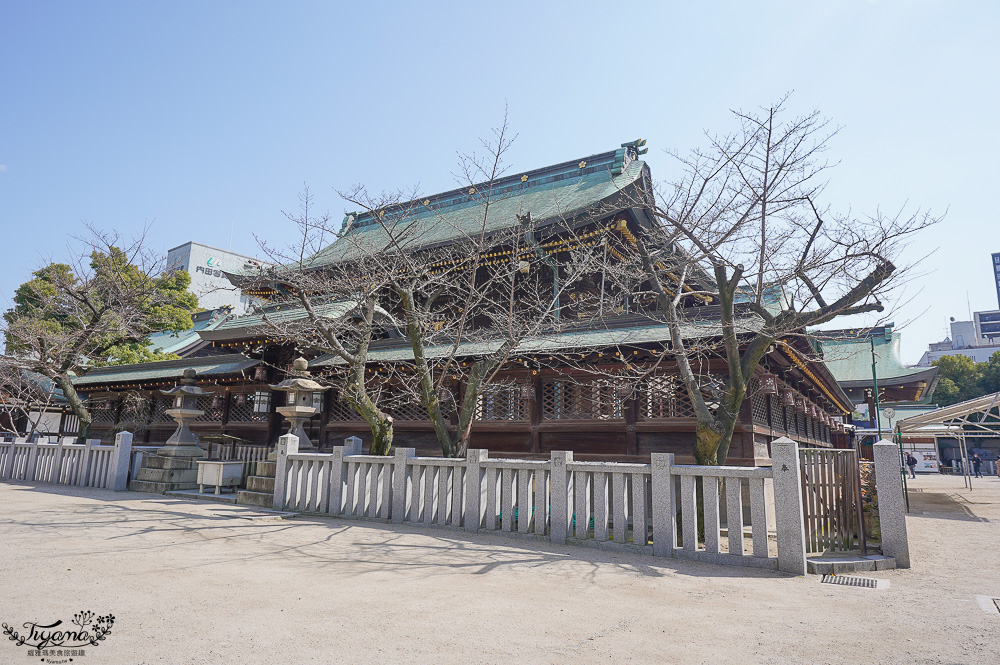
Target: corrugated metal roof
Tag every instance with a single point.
(166, 369)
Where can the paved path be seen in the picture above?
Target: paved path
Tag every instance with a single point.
(194, 582)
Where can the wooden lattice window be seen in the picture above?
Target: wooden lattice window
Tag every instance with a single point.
(777, 412)
(136, 412)
(758, 404)
(211, 413)
(255, 407)
(594, 399)
(160, 409)
(102, 411)
(666, 397)
(409, 409)
(800, 424)
(790, 419)
(501, 401)
(341, 411)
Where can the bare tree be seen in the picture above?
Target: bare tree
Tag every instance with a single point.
(335, 310)
(95, 310)
(23, 397)
(468, 287)
(745, 231)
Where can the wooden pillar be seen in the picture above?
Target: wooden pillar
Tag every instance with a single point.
(629, 412)
(535, 411)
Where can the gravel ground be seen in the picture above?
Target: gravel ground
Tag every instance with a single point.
(197, 582)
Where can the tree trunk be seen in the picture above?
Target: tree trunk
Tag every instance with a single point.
(380, 423)
(712, 440)
(382, 432)
(470, 400)
(75, 403)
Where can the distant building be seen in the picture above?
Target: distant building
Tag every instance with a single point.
(996, 275)
(987, 326)
(978, 339)
(206, 264)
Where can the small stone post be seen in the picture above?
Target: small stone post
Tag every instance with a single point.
(337, 482)
(891, 503)
(29, 470)
(559, 484)
(399, 473)
(474, 489)
(120, 462)
(664, 511)
(8, 464)
(353, 446)
(83, 473)
(57, 462)
(288, 444)
(788, 516)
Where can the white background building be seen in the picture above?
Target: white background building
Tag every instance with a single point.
(205, 265)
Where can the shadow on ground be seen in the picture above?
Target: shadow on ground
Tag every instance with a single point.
(942, 505)
(154, 522)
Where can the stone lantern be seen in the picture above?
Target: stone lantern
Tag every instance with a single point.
(299, 402)
(183, 442)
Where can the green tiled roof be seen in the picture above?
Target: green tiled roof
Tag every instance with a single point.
(254, 324)
(850, 359)
(558, 192)
(175, 342)
(167, 369)
(565, 341)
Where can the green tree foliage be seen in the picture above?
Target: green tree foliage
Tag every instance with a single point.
(99, 311)
(961, 378)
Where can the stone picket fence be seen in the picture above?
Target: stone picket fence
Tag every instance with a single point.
(66, 463)
(717, 514)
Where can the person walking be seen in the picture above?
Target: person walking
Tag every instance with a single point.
(911, 462)
(977, 462)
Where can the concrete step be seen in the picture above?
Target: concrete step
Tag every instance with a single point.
(157, 462)
(209, 495)
(831, 564)
(250, 498)
(266, 469)
(167, 475)
(152, 487)
(260, 484)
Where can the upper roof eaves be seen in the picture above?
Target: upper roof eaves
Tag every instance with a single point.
(560, 191)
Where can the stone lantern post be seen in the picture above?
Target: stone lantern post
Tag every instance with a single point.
(183, 442)
(299, 402)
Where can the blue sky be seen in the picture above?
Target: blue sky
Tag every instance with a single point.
(194, 116)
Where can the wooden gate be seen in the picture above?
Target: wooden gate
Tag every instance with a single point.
(831, 500)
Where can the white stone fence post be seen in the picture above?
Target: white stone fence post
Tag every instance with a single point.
(891, 503)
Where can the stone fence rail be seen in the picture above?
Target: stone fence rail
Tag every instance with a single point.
(712, 514)
(66, 463)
